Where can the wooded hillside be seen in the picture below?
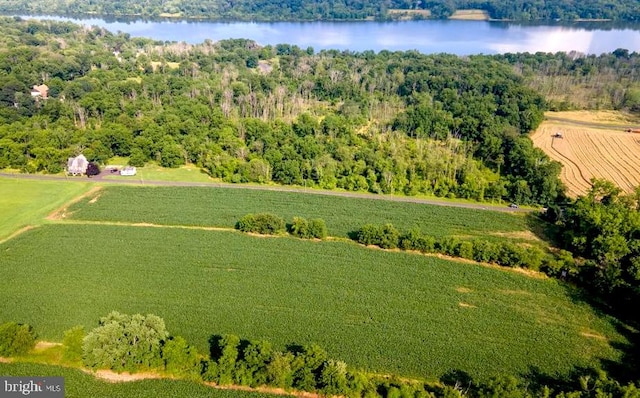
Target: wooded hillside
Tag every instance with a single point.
(271, 10)
(398, 122)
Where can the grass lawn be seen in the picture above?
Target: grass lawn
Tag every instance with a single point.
(82, 385)
(389, 312)
(27, 202)
(223, 207)
(152, 172)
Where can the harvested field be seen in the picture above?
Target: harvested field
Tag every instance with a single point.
(593, 144)
(470, 15)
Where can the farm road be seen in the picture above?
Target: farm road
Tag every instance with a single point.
(99, 179)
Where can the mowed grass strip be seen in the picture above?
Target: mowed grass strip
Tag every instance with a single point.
(78, 384)
(225, 206)
(27, 202)
(388, 312)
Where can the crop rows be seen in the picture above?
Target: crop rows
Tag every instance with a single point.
(224, 207)
(587, 153)
(388, 312)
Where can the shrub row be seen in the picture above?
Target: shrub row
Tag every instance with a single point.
(141, 343)
(137, 342)
(505, 253)
(270, 224)
(261, 223)
(311, 229)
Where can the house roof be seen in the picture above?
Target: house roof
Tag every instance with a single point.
(42, 90)
(77, 164)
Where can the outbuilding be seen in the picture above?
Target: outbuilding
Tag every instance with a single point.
(128, 171)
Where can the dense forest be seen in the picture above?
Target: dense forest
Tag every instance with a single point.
(389, 123)
(270, 10)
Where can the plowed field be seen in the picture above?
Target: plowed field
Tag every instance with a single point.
(593, 144)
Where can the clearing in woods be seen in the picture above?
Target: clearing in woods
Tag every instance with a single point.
(470, 15)
(593, 144)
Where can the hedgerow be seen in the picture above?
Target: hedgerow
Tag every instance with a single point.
(311, 229)
(505, 254)
(261, 223)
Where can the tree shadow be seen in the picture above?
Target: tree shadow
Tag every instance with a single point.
(294, 348)
(626, 369)
(353, 235)
(624, 318)
(543, 229)
(458, 379)
(215, 349)
(537, 380)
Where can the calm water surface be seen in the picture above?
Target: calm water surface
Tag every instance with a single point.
(457, 37)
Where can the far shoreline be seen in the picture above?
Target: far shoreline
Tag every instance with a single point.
(464, 16)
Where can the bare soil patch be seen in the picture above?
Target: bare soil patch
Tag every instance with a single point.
(466, 305)
(522, 292)
(462, 289)
(114, 377)
(63, 211)
(95, 199)
(124, 377)
(593, 336)
(43, 345)
(524, 235)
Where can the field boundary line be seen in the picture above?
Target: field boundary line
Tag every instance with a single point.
(149, 225)
(18, 232)
(523, 271)
(60, 212)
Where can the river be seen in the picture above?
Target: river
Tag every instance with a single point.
(429, 36)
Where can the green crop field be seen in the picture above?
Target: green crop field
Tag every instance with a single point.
(224, 206)
(390, 312)
(27, 202)
(81, 385)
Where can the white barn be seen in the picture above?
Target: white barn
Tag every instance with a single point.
(77, 166)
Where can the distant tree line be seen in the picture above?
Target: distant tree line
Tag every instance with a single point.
(392, 122)
(271, 10)
(577, 81)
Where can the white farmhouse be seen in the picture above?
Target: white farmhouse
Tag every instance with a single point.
(77, 166)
